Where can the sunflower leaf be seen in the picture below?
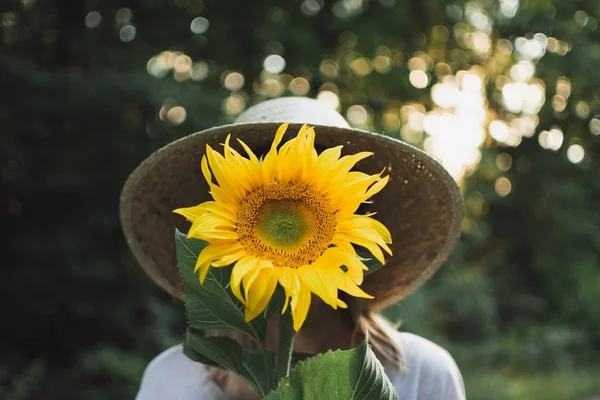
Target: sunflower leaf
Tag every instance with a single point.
(226, 353)
(213, 350)
(212, 305)
(371, 263)
(341, 374)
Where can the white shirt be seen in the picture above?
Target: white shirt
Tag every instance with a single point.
(431, 374)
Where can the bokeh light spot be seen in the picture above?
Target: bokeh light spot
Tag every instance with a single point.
(329, 68)
(299, 86)
(361, 66)
(274, 63)
(418, 79)
(329, 98)
(595, 125)
(157, 67)
(176, 115)
(310, 7)
(272, 87)
(199, 71)
(123, 15)
(503, 186)
(575, 153)
(93, 19)
(552, 139)
(199, 25)
(503, 162)
(127, 33)
(563, 87)
(233, 105)
(233, 81)
(390, 121)
(382, 64)
(559, 103)
(582, 109)
(357, 115)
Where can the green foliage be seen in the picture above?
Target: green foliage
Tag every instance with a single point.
(371, 263)
(227, 353)
(211, 306)
(340, 374)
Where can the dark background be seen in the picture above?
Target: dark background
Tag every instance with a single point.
(88, 89)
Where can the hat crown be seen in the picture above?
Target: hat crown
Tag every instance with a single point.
(300, 110)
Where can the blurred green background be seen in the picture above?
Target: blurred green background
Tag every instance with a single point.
(505, 94)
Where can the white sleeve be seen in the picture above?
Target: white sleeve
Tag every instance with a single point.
(431, 372)
(173, 376)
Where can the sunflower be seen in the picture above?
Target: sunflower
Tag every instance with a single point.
(287, 218)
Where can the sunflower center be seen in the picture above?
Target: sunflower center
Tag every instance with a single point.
(287, 223)
(284, 223)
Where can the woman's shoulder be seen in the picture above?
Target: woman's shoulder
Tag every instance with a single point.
(429, 370)
(172, 375)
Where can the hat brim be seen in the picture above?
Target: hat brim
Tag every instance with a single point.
(421, 205)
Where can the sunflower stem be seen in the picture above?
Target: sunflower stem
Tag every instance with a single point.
(285, 345)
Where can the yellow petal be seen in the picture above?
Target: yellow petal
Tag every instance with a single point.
(190, 213)
(261, 292)
(313, 279)
(215, 234)
(245, 172)
(228, 259)
(355, 267)
(348, 196)
(212, 226)
(240, 269)
(382, 230)
(336, 277)
(376, 188)
(253, 168)
(221, 209)
(357, 222)
(329, 175)
(361, 241)
(288, 279)
(213, 252)
(366, 228)
(300, 307)
(223, 173)
(217, 192)
(248, 280)
(270, 161)
(370, 234)
(350, 287)
(248, 151)
(341, 304)
(206, 170)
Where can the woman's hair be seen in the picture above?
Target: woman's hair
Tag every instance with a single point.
(381, 336)
(381, 332)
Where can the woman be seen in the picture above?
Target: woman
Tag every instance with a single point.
(421, 206)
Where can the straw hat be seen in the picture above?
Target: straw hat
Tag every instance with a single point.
(421, 205)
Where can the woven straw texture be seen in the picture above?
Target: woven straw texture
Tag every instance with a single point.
(421, 205)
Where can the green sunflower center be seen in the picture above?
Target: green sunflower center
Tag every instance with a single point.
(284, 224)
(287, 223)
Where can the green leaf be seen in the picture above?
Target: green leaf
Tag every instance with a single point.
(254, 368)
(371, 263)
(212, 305)
(217, 350)
(342, 374)
(298, 357)
(226, 353)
